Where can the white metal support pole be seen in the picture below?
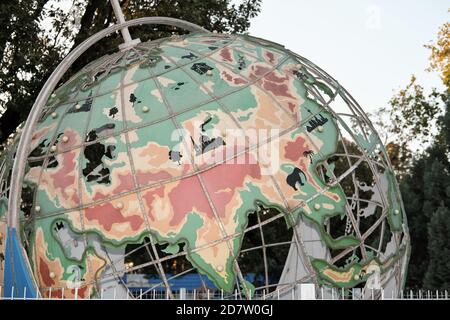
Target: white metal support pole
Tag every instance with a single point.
(128, 42)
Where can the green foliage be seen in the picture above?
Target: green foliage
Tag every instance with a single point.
(412, 119)
(424, 119)
(26, 55)
(424, 190)
(413, 112)
(440, 54)
(437, 276)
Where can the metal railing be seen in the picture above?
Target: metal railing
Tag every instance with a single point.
(183, 294)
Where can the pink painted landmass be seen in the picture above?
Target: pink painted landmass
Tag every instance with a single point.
(186, 196)
(149, 196)
(294, 149)
(225, 53)
(270, 56)
(236, 80)
(106, 215)
(223, 180)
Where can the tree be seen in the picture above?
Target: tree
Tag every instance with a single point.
(23, 66)
(425, 180)
(440, 54)
(413, 119)
(31, 49)
(424, 189)
(437, 276)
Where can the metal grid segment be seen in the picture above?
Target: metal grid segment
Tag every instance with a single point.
(141, 205)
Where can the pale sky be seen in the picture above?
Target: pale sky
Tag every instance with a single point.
(371, 47)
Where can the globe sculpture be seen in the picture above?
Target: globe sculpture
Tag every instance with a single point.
(227, 156)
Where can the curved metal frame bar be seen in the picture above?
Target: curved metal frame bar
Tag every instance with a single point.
(19, 165)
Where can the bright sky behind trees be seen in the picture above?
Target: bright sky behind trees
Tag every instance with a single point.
(370, 46)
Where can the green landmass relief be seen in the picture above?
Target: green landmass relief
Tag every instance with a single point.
(3, 207)
(354, 266)
(319, 217)
(395, 213)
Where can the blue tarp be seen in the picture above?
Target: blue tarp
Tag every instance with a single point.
(189, 281)
(17, 273)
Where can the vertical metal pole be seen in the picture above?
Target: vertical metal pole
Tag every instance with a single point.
(278, 294)
(12, 293)
(221, 294)
(140, 295)
(50, 293)
(24, 293)
(128, 41)
(121, 19)
(321, 292)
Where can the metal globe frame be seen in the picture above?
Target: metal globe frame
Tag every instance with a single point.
(297, 244)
